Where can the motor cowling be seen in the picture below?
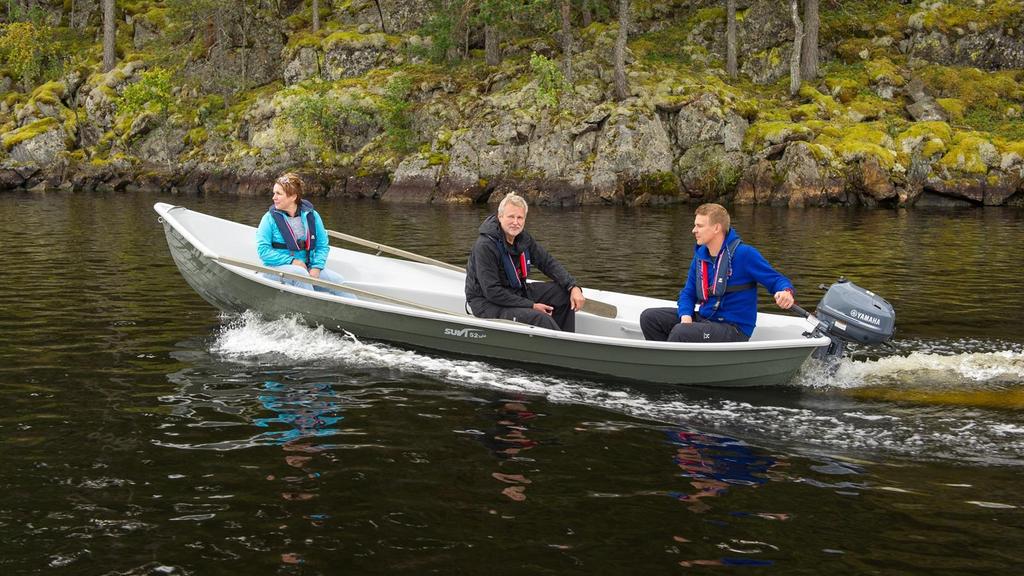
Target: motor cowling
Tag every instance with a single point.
(848, 313)
(855, 314)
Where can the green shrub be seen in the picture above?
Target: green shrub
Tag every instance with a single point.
(550, 81)
(24, 48)
(394, 112)
(323, 117)
(152, 91)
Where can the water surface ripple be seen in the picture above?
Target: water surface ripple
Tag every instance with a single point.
(144, 433)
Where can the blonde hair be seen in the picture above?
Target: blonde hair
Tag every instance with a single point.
(717, 214)
(515, 200)
(292, 185)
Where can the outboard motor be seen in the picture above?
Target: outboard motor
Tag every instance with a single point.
(849, 313)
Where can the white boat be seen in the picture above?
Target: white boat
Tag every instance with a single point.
(423, 306)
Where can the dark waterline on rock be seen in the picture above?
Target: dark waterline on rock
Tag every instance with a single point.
(145, 434)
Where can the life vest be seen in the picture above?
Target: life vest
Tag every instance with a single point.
(290, 241)
(516, 278)
(719, 285)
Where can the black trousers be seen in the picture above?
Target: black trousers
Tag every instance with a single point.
(663, 324)
(563, 318)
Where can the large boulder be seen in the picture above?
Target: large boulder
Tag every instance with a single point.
(923, 107)
(708, 172)
(399, 17)
(160, 144)
(350, 55)
(37, 143)
(632, 144)
(703, 121)
(304, 64)
(803, 180)
(991, 49)
(415, 180)
(873, 181)
(757, 184)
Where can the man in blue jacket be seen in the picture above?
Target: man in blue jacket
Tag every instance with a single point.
(719, 301)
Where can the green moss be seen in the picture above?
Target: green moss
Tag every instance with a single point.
(304, 39)
(825, 104)
(197, 137)
(438, 159)
(948, 16)
(852, 49)
(714, 13)
(1009, 146)
(966, 154)
(954, 108)
(932, 137)
(763, 134)
(27, 132)
(659, 184)
(843, 89)
(156, 17)
(883, 70)
(13, 98)
(49, 93)
(973, 86)
(858, 141)
(353, 39)
(854, 16)
(804, 112)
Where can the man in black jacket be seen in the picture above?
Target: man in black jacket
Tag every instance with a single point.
(496, 285)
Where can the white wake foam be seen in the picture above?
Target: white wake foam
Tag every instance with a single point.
(975, 370)
(967, 435)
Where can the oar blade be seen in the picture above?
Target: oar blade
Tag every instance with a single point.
(598, 308)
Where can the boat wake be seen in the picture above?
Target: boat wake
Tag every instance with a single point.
(956, 401)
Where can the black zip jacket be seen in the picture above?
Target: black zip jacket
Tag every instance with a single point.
(486, 282)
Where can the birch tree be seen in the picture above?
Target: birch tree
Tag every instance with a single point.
(798, 38)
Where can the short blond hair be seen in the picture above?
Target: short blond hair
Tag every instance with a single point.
(717, 214)
(515, 200)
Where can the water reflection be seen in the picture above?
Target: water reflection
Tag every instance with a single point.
(713, 464)
(307, 408)
(508, 441)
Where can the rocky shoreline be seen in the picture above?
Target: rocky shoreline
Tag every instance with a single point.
(883, 128)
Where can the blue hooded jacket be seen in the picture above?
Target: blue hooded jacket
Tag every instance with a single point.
(267, 234)
(739, 308)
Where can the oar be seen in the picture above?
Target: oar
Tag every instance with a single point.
(591, 306)
(324, 283)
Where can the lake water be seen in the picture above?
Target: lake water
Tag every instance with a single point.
(144, 433)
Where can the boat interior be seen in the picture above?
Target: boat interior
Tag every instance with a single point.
(425, 285)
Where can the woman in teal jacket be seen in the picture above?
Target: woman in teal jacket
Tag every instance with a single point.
(292, 238)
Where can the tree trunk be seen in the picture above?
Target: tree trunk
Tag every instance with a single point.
(588, 19)
(566, 10)
(109, 36)
(730, 38)
(316, 15)
(381, 14)
(809, 51)
(492, 45)
(621, 90)
(798, 38)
